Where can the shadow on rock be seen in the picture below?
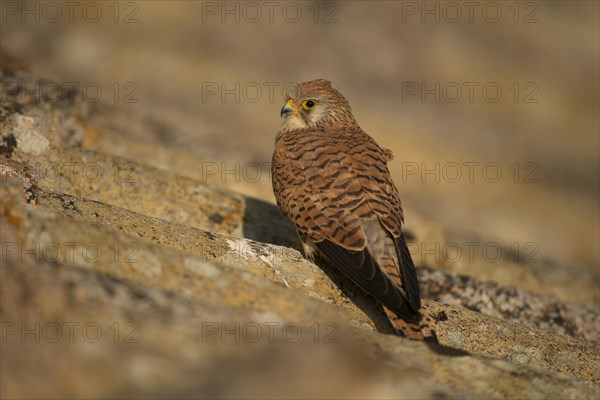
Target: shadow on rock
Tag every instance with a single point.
(367, 304)
(264, 222)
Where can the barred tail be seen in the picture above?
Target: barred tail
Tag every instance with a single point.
(420, 329)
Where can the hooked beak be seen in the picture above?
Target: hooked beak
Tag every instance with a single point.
(288, 108)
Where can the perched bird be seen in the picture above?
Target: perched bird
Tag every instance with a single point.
(331, 180)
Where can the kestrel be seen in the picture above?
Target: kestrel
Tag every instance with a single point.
(330, 178)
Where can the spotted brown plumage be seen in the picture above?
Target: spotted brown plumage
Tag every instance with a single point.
(331, 180)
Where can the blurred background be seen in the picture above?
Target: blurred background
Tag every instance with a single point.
(491, 109)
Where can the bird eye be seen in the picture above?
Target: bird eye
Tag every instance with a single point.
(308, 104)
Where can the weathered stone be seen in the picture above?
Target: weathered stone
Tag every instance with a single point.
(166, 342)
(489, 298)
(481, 334)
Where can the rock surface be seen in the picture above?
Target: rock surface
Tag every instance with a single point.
(125, 274)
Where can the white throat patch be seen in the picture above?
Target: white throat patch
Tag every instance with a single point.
(294, 123)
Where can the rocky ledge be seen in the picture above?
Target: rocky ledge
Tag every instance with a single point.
(125, 274)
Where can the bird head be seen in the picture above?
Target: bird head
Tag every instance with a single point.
(314, 104)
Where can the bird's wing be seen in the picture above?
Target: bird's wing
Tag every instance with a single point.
(339, 194)
(393, 257)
